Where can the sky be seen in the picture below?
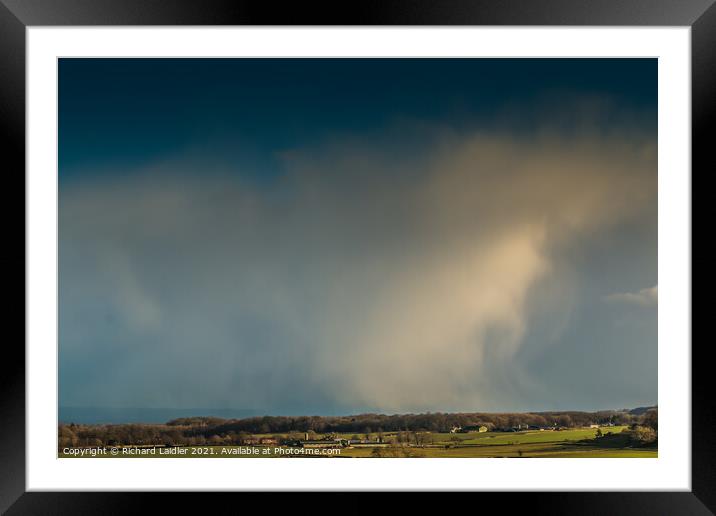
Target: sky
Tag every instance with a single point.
(335, 236)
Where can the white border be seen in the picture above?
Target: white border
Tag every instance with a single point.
(672, 470)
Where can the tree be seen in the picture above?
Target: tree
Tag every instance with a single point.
(644, 435)
(67, 438)
(651, 419)
(565, 420)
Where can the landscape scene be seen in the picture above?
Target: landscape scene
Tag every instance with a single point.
(357, 258)
(623, 433)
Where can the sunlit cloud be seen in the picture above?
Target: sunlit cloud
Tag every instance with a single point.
(643, 297)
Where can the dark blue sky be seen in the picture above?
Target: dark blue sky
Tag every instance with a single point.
(119, 112)
(331, 236)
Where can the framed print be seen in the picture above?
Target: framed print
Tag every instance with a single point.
(300, 250)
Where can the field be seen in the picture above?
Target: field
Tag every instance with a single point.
(579, 442)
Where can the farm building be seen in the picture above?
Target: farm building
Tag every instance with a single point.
(367, 444)
(474, 428)
(321, 444)
(260, 440)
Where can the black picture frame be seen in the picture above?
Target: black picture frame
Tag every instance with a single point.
(17, 15)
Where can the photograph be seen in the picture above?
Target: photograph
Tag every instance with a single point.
(357, 257)
(398, 244)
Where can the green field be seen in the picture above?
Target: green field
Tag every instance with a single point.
(551, 443)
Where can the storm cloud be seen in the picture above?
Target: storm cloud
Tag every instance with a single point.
(363, 276)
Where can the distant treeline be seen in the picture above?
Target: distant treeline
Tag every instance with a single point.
(432, 422)
(212, 430)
